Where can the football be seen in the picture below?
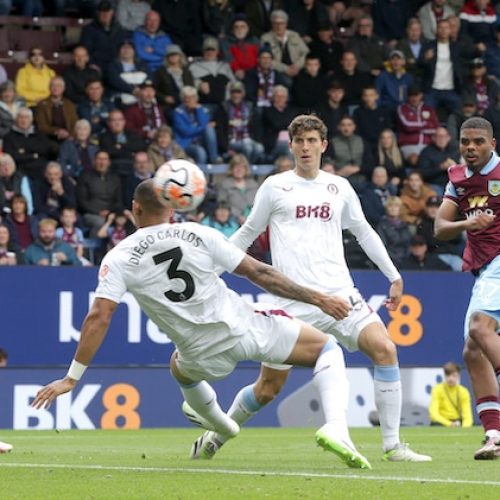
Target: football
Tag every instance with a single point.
(180, 184)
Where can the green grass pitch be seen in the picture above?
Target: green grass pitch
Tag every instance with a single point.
(260, 463)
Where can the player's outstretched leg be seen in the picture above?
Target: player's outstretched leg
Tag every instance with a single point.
(5, 447)
(333, 389)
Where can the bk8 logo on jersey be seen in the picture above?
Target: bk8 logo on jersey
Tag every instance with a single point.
(180, 184)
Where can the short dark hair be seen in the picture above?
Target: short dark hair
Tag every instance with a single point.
(478, 122)
(451, 367)
(307, 123)
(145, 195)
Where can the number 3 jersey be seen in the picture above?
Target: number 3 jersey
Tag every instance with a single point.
(169, 269)
(475, 193)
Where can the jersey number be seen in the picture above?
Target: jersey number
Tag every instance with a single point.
(175, 255)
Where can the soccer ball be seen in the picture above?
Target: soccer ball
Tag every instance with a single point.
(180, 184)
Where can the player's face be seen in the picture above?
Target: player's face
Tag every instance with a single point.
(307, 149)
(476, 147)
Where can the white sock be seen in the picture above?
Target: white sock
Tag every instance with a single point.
(203, 399)
(243, 408)
(388, 400)
(331, 381)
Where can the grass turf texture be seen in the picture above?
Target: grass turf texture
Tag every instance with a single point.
(259, 463)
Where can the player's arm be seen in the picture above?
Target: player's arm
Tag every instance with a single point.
(275, 282)
(448, 226)
(94, 329)
(257, 220)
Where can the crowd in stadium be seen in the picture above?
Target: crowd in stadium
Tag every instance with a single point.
(218, 82)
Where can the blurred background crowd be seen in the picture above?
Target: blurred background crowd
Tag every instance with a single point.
(95, 96)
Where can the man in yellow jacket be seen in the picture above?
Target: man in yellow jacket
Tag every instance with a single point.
(450, 402)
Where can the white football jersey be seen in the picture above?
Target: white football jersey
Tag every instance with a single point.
(169, 269)
(306, 218)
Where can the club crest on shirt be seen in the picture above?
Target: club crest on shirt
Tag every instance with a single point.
(332, 188)
(494, 187)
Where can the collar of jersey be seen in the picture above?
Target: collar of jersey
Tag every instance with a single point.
(492, 163)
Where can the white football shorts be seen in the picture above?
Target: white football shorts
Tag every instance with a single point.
(271, 337)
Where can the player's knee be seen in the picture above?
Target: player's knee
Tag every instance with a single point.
(385, 352)
(266, 390)
(478, 330)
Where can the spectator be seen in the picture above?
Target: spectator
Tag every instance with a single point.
(288, 49)
(306, 16)
(12, 182)
(394, 232)
(390, 18)
(120, 144)
(392, 84)
(442, 71)
(334, 109)
(10, 102)
(389, 156)
(492, 114)
(240, 48)
(436, 158)
(375, 194)
(125, 74)
(33, 79)
(309, 89)
(352, 155)
(103, 36)
(71, 234)
(95, 108)
(47, 250)
(259, 82)
(352, 79)
(194, 131)
(24, 227)
(216, 16)
(79, 74)
(416, 124)
(77, 152)
(492, 56)
(56, 116)
(479, 86)
(163, 148)
(143, 170)
(182, 21)
(455, 119)
(258, 14)
(171, 77)
(411, 46)
(420, 259)
(238, 189)
(10, 254)
(478, 20)
(432, 12)
(99, 192)
(466, 47)
(116, 228)
(151, 42)
(371, 118)
(283, 164)
(237, 125)
(222, 220)
(448, 251)
(275, 121)
(450, 402)
(328, 49)
(211, 76)
(327, 164)
(369, 48)
(30, 149)
(146, 115)
(414, 196)
(130, 14)
(54, 192)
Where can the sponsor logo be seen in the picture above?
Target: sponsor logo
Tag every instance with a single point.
(477, 201)
(322, 212)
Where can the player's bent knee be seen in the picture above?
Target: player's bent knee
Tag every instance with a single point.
(269, 385)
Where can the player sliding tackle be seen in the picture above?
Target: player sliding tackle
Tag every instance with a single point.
(171, 271)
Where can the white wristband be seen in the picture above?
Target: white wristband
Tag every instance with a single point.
(76, 370)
